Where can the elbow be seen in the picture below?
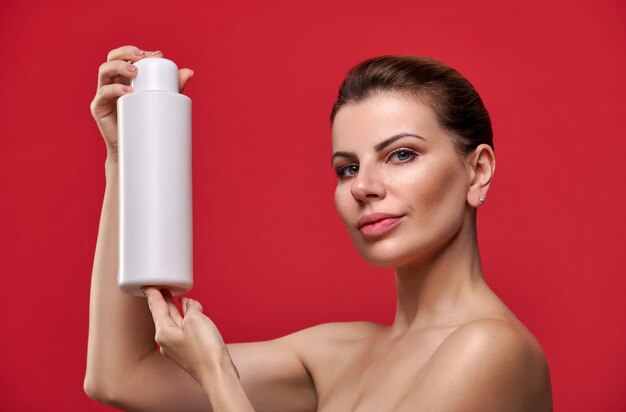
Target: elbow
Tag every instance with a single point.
(94, 390)
(108, 391)
(98, 390)
(91, 389)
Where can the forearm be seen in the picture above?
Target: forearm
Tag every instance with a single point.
(225, 392)
(121, 331)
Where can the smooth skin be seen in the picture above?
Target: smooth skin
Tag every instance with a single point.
(453, 346)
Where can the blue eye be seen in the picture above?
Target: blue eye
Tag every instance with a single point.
(398, 156)
(351, 170)
(403, 155)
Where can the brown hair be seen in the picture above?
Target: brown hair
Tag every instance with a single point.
(457, 106)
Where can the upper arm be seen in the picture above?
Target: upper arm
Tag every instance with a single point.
(485, 365)
(277, 374)
(271, 373)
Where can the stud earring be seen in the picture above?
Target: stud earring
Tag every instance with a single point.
(482, 199)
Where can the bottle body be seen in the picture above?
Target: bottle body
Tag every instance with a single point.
(155, 191)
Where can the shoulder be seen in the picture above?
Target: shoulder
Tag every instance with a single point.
(497, 336)
(323, 345)
(337, 332)
(495, 363)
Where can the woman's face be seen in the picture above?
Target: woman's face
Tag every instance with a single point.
(392, 157)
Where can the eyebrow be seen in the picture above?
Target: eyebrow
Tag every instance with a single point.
(380, 146)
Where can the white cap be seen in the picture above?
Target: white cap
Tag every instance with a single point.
(155, 73)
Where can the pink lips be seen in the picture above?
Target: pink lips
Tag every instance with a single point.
(377, 224)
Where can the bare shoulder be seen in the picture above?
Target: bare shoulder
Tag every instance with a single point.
(325, 347)
(494, 364)
(328, 337)
(339, 331)
(497, 337)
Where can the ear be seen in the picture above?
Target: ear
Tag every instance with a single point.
(482, 166)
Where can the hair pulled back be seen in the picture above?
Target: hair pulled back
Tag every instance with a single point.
(457, 106)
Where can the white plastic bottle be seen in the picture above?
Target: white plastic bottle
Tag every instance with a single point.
(155, 196)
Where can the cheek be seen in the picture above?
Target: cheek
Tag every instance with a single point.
(437, 195)
(341, 203)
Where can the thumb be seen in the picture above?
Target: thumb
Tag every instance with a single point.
(191, 304)
(183, 77)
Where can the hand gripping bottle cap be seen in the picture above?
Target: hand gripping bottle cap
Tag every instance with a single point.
(155, 73)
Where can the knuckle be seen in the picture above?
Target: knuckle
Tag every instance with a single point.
(129, 48)
(159, 337)
(194, 317)
(120, 52)
(102, 68)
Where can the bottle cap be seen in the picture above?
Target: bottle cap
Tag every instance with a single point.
(155, 73)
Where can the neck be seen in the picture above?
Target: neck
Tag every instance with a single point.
(439, 290)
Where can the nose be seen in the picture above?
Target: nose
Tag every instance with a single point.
(367, 185)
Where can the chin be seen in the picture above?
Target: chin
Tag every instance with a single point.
(388, 253)
(399, 251)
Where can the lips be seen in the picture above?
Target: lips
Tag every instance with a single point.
(375, 217)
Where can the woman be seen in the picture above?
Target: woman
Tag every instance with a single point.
(412, 149)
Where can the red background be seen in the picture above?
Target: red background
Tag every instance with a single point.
(271, 255)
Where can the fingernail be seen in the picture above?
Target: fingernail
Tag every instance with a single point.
(156, 52)
(189, 301)
(130, 89)
(138, 52)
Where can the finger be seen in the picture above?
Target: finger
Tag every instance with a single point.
(174, 313)
(101, 105)
(110, 71)
(158, 307)
(131, 54)
(191, 304)
(183, 77)
(118, 62)
(183, 304)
